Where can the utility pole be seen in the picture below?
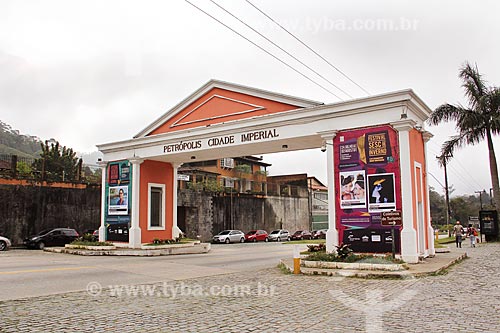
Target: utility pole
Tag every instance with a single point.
(442, 160)
(480, 198)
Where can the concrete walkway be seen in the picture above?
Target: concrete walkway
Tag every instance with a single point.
(428, 266)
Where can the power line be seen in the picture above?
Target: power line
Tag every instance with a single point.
(308, 47)
(460, 175)
(261, 48)
(279, 47)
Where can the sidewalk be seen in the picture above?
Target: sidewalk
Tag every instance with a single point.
(428, 266)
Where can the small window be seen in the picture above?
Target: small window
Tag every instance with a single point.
(156, 206)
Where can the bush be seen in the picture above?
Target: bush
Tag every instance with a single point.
(316, 247)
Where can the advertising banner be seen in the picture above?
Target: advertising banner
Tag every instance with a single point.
(368, 183)
(118, 200)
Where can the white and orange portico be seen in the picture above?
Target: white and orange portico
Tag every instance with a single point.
(376, 161)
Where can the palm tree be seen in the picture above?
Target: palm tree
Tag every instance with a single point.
(481, 120)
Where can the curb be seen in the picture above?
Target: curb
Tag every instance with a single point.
(189, 249)
(372, 274)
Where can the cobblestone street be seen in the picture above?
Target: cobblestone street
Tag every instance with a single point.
(466, 299)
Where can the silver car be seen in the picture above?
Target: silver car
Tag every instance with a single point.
(4, 243)
(279, 235)
(229, 236)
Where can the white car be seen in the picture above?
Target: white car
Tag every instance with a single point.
(279, 235)
(229, 236)
(4, 243)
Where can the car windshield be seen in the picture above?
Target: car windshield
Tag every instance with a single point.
(275, 232)
(298, 232)
(251, 232)
(44, 232)
(225, 232)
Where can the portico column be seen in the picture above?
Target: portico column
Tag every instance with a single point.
(102, 227)
(175, 229)
(134, 240)
(332, 235)
(432, 251)
(409, 250)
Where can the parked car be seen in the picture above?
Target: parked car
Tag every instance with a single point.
(95, 235)
(256, 236)
(51, 237)
(319, 234)
(301, 234)
(279, 235)
(4, 243)
(229, 236)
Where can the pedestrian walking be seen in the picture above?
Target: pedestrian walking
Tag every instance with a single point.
(458, 231)
(472, 234)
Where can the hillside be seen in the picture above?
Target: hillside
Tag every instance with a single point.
(13, 142)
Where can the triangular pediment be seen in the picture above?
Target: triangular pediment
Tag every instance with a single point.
(215, 107)
(218, 102)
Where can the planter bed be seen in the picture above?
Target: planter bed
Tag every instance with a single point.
(352, 266)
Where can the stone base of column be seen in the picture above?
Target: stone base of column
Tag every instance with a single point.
(332, 240)
(430, 233)
(409, 246)
(102, 233)
(176, 231)
(134, 240)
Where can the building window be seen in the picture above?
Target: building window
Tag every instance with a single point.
(227, 163)
(156, 208)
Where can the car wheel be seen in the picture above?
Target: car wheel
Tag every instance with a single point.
(227, 241)
(242, 240)
(288, 239)
(255, 240)
(41, 245)
(278, 239)
(267, 239)
(3, 246)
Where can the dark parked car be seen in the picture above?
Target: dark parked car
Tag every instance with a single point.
(51, 237)
(319, 234)
(256, 236)
(301, 234)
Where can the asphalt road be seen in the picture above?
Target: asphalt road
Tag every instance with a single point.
(30, 273)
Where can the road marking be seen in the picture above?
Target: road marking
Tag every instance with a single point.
(46, 270)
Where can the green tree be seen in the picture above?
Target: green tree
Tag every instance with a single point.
(57, 163)
(479, 121)
(23, 169)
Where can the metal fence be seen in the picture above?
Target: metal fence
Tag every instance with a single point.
(20, 167)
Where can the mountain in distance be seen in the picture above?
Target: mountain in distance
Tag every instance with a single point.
(12, 142)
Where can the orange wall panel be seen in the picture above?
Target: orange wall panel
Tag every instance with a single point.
(417, 154)
(158, 173)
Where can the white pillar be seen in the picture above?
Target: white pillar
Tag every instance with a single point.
(430, 231)
(332, 235)
(175, 229)
(134, 240)
(409, 250)
(102, 228)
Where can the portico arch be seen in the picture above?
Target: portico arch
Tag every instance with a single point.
(225, 120)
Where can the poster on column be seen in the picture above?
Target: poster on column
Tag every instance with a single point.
(382, 192)
(352, 193)
(368, 182)
(118, 200)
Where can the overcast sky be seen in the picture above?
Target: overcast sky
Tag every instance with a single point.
(92, 72)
